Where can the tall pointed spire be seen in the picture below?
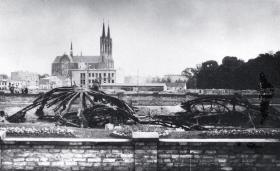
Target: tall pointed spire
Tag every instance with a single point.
(108, 31)
(71, 49)
(103, 31)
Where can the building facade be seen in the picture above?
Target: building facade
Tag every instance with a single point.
(22, 79)
(4, 82)
(71, 66)
(87, 77)
(173, 78)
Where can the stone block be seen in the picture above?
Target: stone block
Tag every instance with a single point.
(70, 163)
(28, 168)
(31, 164)
(7, 163)
(79, 159)
(227, 168)
(78, 151)
(57, 163)
(20, 163)
(86, 164)
(195, 151)
(94, 160)
(44, 163)
(109, 160)
(18, 159)
(186, 156)
(221, 160)
(32, 159)
(54, 150)
(126, 155)
(76, 143)
(89, 155)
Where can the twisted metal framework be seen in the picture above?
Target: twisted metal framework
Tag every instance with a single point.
(95, 109)
(89, 101)
(217, 111)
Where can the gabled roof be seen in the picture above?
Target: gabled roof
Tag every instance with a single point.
(79, 59)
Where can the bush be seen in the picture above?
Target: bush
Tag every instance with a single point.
(125, 131)
(38, 132)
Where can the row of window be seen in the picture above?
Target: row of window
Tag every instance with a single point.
(99, 80)
(83, 81)
(99, 74)
(3, 83)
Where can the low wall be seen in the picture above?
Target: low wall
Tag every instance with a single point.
(140, 154)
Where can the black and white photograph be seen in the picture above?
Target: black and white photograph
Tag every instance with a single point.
(140, 85)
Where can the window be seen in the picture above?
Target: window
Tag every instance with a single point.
(89, 74)
(109, 81)
(83, 82)
(83, 75)
(104, 74)
(89, 81)
(96, 75)
(104, 80)
(82, 79)
(92, 74)
(113, 81)
(112, 74)
(99, 75)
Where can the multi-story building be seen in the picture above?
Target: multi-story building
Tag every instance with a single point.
(173, 78)
(87, 77)
(24, 79)
(4, 82)
(76, 67)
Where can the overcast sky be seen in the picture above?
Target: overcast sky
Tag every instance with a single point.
(154, 37)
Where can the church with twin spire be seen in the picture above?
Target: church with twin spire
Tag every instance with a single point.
(88, 69)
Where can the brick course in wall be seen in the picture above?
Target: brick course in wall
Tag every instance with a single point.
(155, 154)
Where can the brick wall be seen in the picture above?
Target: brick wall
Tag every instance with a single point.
(66, 156)
(194, 156)
(151, 154)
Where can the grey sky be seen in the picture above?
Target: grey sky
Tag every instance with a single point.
(155, 37)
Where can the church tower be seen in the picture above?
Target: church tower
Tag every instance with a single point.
(102, 41)
(71, 50)
(106, 48)
(109, 42)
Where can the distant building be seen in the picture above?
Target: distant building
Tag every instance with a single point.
(53, 82)
(87, 77)
(64, 65)
(4, 83)
(176, 86)
(135, 79)
(172, 78)
(24, 79)
(135, 87)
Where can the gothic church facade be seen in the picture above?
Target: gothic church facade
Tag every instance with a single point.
(67, 65)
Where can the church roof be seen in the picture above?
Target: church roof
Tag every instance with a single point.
(58, 58)
(86, 59)
(79, 59)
